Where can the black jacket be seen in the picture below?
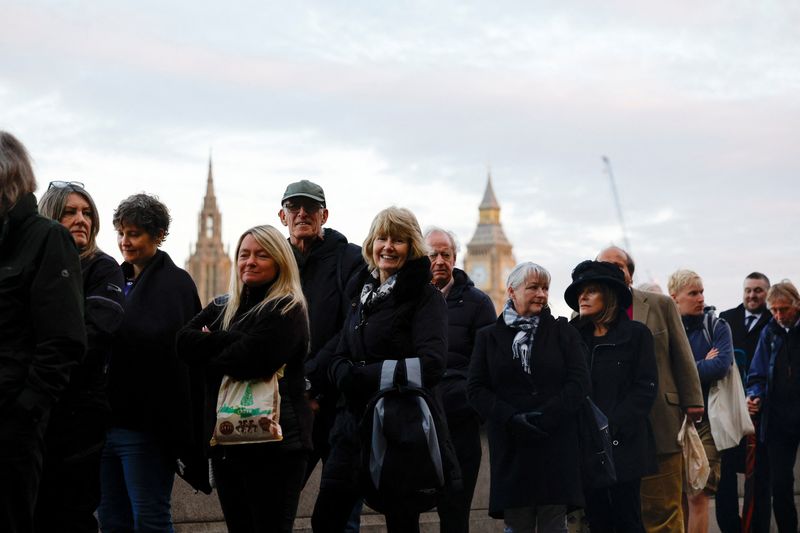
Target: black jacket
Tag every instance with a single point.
(744, 342)
(324, 274)
(411, 322)
(624, 375)
(148, 384)
(78, 422)
(525, 473)
(468, 310)
(256, 346)
(42, 333)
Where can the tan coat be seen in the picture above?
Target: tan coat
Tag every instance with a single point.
(678, 382)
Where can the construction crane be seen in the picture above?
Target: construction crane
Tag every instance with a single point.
(607, 164)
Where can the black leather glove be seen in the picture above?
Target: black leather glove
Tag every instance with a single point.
(523, 426)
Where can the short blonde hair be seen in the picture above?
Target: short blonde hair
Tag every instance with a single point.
(286, 284)
(784, 289)
(16, 172)
(395, 222)
(680, 279)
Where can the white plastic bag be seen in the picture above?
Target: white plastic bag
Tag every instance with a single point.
(695, 461)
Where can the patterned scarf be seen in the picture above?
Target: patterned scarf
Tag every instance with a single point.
(523, 341)
(374, 291)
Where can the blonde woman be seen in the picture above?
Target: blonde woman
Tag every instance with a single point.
(251, 333)
(396, 314)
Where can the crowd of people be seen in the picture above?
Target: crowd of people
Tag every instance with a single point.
(113, 376)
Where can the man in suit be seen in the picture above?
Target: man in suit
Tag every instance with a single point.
(679, 393)
(746, 322)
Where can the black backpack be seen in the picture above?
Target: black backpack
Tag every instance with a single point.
(407, 457)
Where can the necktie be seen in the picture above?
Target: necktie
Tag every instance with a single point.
(748, 321)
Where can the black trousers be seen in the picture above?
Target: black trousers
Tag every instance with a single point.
(727, 499)
(21, 452)
(617, 509)
(334, 506)
(320, 437)
(339, 488)
(454, 506)
(69, 493)
(782, 451)
(259, 486)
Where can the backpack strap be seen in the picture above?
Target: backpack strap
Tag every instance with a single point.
(414, 372)
(387, 373)
(709, 323)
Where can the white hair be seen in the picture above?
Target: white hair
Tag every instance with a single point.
(523, 271)
(450, 235)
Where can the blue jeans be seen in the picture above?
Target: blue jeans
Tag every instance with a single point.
(136, 479)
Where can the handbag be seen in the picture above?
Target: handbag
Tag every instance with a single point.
(695, 461)
(597, 460)
(248, 411)
(727, 411)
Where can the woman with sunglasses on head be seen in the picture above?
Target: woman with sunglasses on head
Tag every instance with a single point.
(148, 386)
(70, 489)
(42, 333)
(624, 374)
(259, 328)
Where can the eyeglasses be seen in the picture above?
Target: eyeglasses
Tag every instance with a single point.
(310, 206)
(63, 184)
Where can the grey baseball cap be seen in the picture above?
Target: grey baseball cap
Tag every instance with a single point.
(304, 188)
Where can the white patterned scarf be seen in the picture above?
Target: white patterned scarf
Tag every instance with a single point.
(523, 340)
(374, 291)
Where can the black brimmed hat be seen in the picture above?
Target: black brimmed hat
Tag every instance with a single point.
(608, 274)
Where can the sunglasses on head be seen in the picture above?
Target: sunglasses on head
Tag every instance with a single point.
(63, 184)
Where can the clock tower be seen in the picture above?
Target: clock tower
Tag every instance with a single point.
(489, 257)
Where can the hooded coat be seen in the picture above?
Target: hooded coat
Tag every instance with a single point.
(42, 332)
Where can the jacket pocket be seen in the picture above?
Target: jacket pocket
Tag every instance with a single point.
(672, 398)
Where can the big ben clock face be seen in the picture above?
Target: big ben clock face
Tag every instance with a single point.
(479, 275)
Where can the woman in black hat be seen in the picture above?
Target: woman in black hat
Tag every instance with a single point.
(624, 376)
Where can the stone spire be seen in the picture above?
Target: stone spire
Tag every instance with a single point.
(209, 265)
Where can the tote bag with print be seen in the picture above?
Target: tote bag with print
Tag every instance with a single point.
(248, 411)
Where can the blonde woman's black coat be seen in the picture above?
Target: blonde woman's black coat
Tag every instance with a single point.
(526, 473)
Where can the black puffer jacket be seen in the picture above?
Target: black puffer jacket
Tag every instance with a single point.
(255, 346)
(324, 274)
(42, 333)
(624, 374)
(410, 322)
(79, 419)
(468, 310)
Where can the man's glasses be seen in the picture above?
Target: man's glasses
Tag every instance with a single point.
(63, 184)
(310, 206)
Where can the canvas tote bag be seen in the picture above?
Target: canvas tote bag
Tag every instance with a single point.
(248, 411)
(727, 411)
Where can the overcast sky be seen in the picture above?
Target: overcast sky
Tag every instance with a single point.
(697, 105)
